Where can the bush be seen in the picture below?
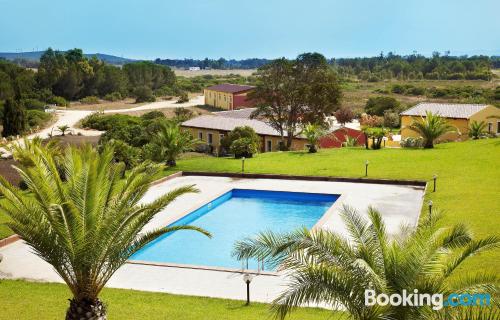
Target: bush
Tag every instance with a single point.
(367, 120)
(412, 142)
(98, 121)
(58, 101)
(378, 105)
(416, 91)
(152, 115)
(144, 94)
(90, 100)
(391, 119)
(152, 151)
(37, 118)
(344, 115)
(238, 133)
(243, 147)
(33, 104)
(125, 153)
(183, 97)
(114, 96)
(133, 134)
(182, 114)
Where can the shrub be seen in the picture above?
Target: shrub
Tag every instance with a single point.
(133, 134)
(243, 147)
(165, 91)
(98, 121)
(411, 142)
(344, 115)
(182, 114)
(371, 121)
(37, 118)
(58, 101)
(378, 105)
(114, 96)
(391, 119)
(90, 100)
(14, 118)
(237, 133)
(183, 97)
(398, 88)
(124, 153)
(152, 115)
(33, 104)
(144, 94)
(416, 91)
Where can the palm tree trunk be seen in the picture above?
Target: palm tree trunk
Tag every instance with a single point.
(86, 309)
(429, 144)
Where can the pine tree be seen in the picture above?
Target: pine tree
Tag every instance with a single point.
(14, 118)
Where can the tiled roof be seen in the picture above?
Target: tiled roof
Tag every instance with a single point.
(238, 114)
(447, 110)
(230, 88)
(227, 124)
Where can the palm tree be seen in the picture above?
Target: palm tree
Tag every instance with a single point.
(172, 141)
(430, 128)
(63, 129)
(88, 225)
(325, 267)
(313, 133)
(476, 129)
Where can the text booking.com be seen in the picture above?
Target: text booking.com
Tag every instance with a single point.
(437, 301)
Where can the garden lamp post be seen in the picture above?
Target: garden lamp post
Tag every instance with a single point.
(430, 210)
(247, 278)
(366, 167)
(243, 164)
(434, 177)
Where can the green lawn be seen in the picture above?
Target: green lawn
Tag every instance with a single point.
(24, 300)
(468, 185)
(468, 191)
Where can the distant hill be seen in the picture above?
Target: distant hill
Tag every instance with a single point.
(35, 56)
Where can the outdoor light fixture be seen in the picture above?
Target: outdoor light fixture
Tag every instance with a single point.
(247, 278)
(430, 210)
(366, 167)
(434, 177)
(243, 164)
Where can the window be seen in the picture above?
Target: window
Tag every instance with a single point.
(200, 135)
(210, 138)
(269, 145)
(221, 136)
(490, 127)
(498, 127)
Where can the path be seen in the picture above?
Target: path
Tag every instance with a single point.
(72, 117)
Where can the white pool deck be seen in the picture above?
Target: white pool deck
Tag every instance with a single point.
(398, 204)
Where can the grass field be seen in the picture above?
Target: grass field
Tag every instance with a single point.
(467, 191)
(25, 300)
(468, 185)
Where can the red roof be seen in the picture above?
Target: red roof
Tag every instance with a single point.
(230, 88)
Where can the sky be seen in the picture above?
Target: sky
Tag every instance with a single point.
(148, 29)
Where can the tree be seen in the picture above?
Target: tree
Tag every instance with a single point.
(378, 105)
(313, 133)
(63, 129)
(325, 267)
(238, 133)
(172, 141)
(14, 118)
(344, 115)
(88, 224)
(144, 94)
(431, 127)
(477, 129)
(243, 147)
(290, 94)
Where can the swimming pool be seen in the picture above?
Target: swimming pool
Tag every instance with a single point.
(233, 216)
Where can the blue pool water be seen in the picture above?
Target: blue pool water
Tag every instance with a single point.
(233, 216)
